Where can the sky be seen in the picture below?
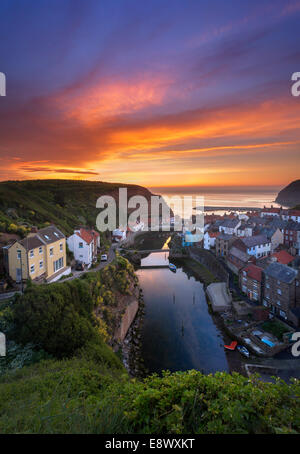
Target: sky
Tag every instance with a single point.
(187, 93)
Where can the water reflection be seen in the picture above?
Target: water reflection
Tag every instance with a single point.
(178, 331)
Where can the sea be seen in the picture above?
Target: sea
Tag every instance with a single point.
(251, 199)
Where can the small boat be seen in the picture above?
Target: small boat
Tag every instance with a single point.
(232, 346)
(243, 351)
(172, 267)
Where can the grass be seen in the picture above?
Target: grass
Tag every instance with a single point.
(276, 328)
(66, 203)
(200, 271)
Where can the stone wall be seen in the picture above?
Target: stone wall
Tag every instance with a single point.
(207, 259)
(127, 319)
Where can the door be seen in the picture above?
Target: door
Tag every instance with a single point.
(19, 275)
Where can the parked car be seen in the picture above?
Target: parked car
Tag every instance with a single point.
(103, 257)
(79, 266)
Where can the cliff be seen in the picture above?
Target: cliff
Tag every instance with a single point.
(290, 195)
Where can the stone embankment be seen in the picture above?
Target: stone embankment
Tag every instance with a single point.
(132, 344)
(207, 259)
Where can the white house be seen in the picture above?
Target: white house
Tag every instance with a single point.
(84, 243)
(243, 217)
(258, 245)
(210, 239)
(229, 226)
(270, 212)
(291, 215)
(244, 231)
(118, 235)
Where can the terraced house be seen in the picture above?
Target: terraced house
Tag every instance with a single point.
(281, 292)
(39, 256)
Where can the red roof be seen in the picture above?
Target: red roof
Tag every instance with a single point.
(283, 257)
(271, 210)
(213, 234)
(85, 235)
(254, 272)
(294, 212)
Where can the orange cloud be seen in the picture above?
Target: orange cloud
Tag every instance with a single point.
(111, 98)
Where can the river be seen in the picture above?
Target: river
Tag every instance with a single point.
(178, 332)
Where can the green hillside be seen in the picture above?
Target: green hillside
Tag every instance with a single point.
(66, 203)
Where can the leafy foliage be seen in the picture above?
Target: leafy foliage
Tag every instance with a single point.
(60, 317)
(89, 395)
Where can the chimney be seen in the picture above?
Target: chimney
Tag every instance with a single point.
(34, 229)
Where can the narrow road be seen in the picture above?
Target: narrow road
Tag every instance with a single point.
(76, 274)
(4, 296)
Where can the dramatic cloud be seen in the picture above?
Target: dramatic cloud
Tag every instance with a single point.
(155, 94)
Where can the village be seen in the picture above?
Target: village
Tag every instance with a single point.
(253, 254)
(259, 300)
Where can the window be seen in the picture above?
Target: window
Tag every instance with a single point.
(41, 264)
(278, 303)
(282, 314)
(19, 254)
(47, 238)
(40, 250)
(56, 235)
(279, 291)
(32, 269)
(80, 245)
(51, 251)
(60, 247)
(31, 253)
(58, 264)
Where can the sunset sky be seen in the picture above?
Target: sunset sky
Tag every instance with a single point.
(157, 93)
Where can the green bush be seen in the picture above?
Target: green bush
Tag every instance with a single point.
(89, 395)
(58, 317)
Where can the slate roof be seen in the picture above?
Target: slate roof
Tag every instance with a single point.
(278, 223)
(281, 272)
(31, 242)
(258, 220)
(225, 236)
(268, 231)
(256, 240)
(50, 234)
(230, 223)
(243, 256)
